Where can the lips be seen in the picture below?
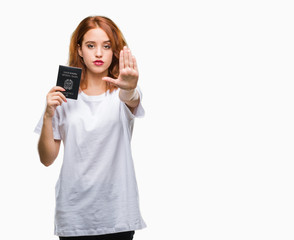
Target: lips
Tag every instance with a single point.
(98, 62)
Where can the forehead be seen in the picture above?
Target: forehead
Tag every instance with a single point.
(96, 35)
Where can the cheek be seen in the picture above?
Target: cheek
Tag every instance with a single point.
(86, 54)
(109, 55)
(109, 58)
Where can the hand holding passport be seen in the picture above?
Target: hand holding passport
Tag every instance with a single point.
(69, 78)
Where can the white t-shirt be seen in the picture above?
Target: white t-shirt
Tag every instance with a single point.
(96, 192)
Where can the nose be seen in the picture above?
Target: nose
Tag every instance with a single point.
(99, 52)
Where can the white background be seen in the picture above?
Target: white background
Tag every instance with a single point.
(214, 153)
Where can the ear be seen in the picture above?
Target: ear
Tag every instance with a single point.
(80, 50)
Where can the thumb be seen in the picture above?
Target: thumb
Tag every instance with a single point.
(109, 79)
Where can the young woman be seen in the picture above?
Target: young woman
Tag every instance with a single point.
(96, 193)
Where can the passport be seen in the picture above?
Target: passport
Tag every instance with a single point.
(69, 78)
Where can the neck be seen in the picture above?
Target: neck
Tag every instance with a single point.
(95, 84)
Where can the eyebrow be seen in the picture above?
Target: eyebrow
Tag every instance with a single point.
(107, 41)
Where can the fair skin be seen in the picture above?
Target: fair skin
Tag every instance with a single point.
(97, 55)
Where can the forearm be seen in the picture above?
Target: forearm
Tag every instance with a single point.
(48, 148)
(130, 97)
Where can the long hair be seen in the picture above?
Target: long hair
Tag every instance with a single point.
(117, 43)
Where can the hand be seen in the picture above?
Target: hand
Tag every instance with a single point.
(54, 99)
(128, 71)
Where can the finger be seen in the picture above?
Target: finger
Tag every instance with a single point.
(110, 80)
(130, 59)
(126, 57)
(56, 99)
(56, 88)
(62, 96)
(56, 103)
(135, 63)
(121, 61)
(57, 96)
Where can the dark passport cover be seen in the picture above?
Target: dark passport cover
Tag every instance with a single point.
(69, 78)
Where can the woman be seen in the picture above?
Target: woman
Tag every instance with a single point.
(96, 193)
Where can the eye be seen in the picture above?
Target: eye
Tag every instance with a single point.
(90, 46)
(107, 46)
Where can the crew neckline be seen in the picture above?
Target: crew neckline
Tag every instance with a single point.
(93, 98)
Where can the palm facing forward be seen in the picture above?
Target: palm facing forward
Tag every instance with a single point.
(128, 71)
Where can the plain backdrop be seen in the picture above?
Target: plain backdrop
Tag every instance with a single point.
(214, 154)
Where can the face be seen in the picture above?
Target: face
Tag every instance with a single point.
(96, 51)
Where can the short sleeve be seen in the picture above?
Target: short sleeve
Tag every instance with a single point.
(55, 126)
(139, 111)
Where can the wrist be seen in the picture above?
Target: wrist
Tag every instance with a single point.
(128, 95)
(47, 117)
(129, 91)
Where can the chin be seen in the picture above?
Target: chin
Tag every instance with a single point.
(98, 71)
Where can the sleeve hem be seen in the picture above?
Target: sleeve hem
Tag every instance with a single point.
(56, 135)
(139, 111)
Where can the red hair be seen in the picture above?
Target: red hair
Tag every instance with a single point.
(116, 39)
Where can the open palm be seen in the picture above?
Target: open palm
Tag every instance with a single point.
(128, 71)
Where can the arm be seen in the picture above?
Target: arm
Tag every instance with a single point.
(130, 97)
(48, 147)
